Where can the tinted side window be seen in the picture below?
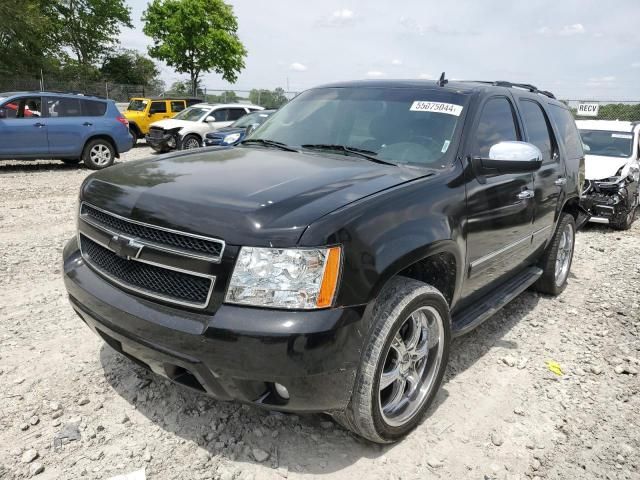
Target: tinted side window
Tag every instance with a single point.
(93, 108)
(158, 107)
(235, 114)
(64, 107)
(220, 115)
(538, 128)
(568, 131)
(177, 106)
(496, 125)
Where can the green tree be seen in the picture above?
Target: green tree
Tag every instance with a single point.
(28, 39)
(129, 66)
(195, 37)
(268, 98)
(90, 28)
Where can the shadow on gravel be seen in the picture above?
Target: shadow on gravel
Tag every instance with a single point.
(304, 444)
(38, 166)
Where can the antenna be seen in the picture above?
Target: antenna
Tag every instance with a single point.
(442, 81)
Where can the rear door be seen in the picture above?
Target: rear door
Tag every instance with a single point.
(550, 178)
(499, 214)
(23, 131)
(67, 126)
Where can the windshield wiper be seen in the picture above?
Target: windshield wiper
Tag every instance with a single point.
(368, 154)
(270, 143)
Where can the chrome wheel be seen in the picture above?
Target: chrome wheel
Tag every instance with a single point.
(565, 253)
(191, 143)
(100, 154)
(411, 366)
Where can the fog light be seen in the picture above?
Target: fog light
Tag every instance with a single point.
(282, 391)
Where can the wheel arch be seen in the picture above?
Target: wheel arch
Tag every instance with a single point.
(102, 136)
(439, 264)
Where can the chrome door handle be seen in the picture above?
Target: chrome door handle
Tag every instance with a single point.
(38, 124)
(87, 124)
(560, 182)
(525, 194)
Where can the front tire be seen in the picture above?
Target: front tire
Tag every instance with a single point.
(134, 134)
(98, 154)
(557, 258)
(403, 362)
(626, 221)
(191, 142)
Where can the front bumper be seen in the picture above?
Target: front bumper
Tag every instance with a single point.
(238, 353)
(168, 141)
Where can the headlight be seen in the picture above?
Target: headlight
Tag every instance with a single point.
(233, 138)
(296, 278)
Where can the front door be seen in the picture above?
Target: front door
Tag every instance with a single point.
(23, 131)
(500, 207)
(158, 111)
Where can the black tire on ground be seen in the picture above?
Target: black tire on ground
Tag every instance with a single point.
(189, 142)
(625, 221)
(557, 258)
(71, 161)
(134, 134)
(98, 154)
(370, 412)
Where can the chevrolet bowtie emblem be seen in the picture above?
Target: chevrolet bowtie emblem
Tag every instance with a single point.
(125, 247)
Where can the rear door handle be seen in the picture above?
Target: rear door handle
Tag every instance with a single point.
(561, 181)
(525, 194)
(38, 124)
(87, 124)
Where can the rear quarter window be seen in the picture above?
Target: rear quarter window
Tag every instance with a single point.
(93, 108)
(569, 134)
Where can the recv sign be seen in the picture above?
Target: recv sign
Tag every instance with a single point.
(588, 109)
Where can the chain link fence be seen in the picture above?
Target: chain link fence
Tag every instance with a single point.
(628, 110)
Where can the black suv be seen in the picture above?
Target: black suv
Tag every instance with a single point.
(325, 264)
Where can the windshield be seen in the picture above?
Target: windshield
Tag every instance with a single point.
(607, 143)
(192, 114)
(137, 105)
(250, 119)
(398, 125)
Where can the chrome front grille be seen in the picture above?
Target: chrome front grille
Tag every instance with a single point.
(152, 261)
(183, 243)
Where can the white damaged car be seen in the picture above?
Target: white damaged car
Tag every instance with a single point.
(612, 170)
(188, 128)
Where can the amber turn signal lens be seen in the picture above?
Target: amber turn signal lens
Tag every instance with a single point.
(330, 278)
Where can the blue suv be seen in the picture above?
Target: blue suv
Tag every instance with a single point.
(68, 127)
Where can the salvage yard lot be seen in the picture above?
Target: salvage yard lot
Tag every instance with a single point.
(501, 414)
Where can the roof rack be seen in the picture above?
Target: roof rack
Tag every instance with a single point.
(525, 86)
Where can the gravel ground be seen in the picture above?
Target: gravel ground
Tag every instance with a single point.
(70, 407)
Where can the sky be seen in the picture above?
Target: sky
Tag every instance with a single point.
(578, 49)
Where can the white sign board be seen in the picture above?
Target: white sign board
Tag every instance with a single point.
(588, 109)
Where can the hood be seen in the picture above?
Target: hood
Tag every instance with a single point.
(171, 123)
(598, 167)
(246, 196)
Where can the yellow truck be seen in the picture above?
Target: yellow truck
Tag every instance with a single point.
(142, 112)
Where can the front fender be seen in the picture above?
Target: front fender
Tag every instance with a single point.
(385, 233)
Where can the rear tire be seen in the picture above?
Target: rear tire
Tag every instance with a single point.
(557, 258)
(403, 362)
(98, 154)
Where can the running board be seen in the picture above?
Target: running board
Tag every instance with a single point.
(471, 317)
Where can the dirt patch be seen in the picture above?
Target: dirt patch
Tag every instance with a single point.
(71, 407)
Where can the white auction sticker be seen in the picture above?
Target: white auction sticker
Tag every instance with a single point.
(436, 107)
(621, 135)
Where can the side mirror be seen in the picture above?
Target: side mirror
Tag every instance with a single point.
(251, 128)
(511, 157)
(3, 113)
(210, 119)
